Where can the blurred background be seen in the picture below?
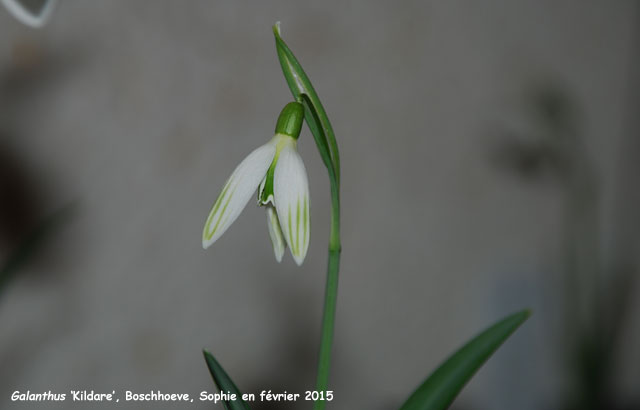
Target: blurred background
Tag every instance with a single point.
(490, 160)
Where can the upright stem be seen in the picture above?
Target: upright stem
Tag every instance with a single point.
(331, 294)
(325, 139)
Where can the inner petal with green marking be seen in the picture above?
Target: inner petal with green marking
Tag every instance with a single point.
(265, 193)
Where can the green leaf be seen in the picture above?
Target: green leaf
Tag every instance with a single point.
(224, 383)
(442, 387)
(299, 84)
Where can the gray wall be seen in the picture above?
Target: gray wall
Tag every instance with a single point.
(137, 112)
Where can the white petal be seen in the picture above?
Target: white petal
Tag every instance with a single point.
(275, 233)
(236, 192)
(291, 192)
(28, 17)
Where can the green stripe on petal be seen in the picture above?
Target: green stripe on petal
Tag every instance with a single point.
(242, 183)
(305, 220)
(222, 214)
(275, 233)
(292, 245)
(291, 193)
(207, 233)
(298, 227)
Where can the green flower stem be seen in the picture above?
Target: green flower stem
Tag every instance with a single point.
(331, 294)
(325, 140)
(333, 266)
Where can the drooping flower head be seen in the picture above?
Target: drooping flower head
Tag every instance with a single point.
(277, 170)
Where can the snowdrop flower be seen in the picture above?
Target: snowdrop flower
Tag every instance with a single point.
(277, 170)
(29, 15)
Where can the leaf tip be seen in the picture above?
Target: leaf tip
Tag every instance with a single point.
(525, 314)
(276, 29)
(211, 361)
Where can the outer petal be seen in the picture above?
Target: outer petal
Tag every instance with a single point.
(236, 192)
(275, 233)
(26, 16)
(291, 194)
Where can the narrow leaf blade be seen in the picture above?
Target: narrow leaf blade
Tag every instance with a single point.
(224, 383)
(440, 389)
